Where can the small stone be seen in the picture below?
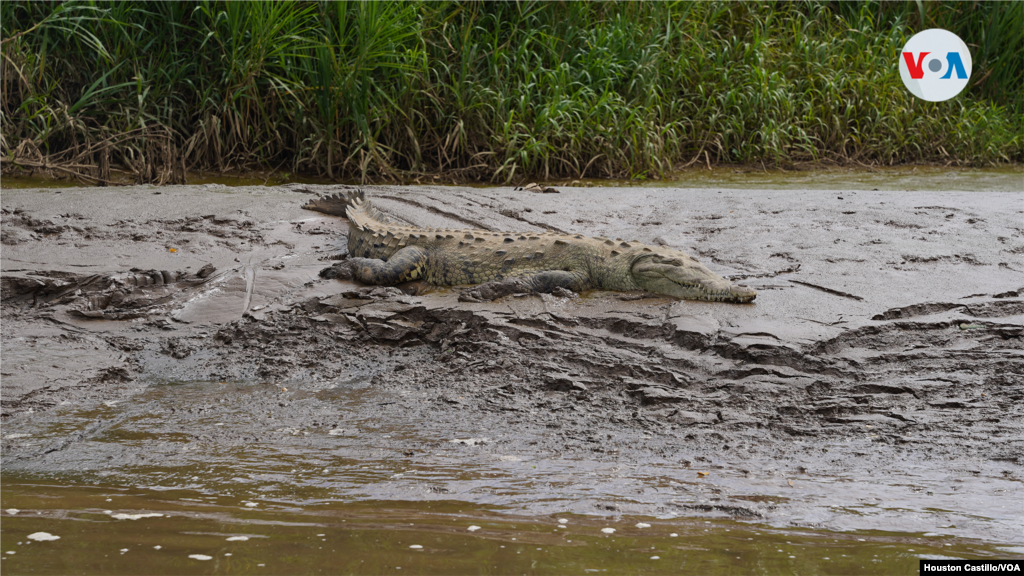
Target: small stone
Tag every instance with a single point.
(608, 530)
(42, 536)
(135, 516)
(473, 528)
(201, 557)
(642, 525)
(470, 441)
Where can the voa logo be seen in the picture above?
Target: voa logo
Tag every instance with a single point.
(935, 65)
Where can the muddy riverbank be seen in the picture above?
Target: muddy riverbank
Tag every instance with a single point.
(182, 338)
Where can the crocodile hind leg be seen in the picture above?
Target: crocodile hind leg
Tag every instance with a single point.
(404, 265)
(549, 281)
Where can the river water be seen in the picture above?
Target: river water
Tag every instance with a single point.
(115, 530)
(902, 178)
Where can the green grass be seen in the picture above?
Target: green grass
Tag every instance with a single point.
(494, 91)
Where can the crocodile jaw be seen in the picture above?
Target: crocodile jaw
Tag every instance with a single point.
(686, 278)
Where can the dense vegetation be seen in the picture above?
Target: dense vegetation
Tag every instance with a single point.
(494, 91)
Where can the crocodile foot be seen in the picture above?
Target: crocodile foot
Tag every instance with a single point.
(340, 271)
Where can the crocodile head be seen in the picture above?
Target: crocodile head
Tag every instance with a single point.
(679, 275)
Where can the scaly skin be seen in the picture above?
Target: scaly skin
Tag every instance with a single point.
(386, 252)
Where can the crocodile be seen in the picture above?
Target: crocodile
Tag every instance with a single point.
(386, 252)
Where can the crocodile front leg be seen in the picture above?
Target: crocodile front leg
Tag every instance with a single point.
(541, 282)
(548, 280)
(404, 265)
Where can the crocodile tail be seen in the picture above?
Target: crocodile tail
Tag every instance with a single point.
(363, 214)
(331, 204)
(351, 204)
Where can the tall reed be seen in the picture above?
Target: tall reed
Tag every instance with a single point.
(495, 91)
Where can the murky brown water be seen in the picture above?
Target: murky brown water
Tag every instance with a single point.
(98, 536)
(900, 178)
(256, 178)
(897, 179)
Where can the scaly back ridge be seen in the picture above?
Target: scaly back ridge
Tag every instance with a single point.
(362, 213)
(353, 205)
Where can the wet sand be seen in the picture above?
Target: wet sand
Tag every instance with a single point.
(181, 338)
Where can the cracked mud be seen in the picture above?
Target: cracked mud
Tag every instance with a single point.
(183, 337)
